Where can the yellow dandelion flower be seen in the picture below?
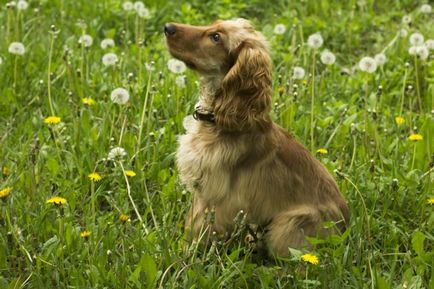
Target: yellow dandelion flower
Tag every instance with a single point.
(322, 151)
(94, 177)
(88, 101)
(399, 120)
(5, 192)
(415, 137)
(6, 171)
(430, 201)
(281, 90)
(130, 173)
(57, 201)
(85, 234)
(124, 218)
(309, 258)
(52, 120)
(305, 82)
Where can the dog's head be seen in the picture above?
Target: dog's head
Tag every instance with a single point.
(235, 53)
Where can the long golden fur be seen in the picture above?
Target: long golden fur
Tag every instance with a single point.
(242, 160)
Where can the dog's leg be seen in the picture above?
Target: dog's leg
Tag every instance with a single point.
(289, 229)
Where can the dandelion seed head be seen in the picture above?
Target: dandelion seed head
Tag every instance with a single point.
(406, 19)
(176, 66)
(315, 41)
(106, 43)
(120, 95)
(22, 5)
(11, 4)
(380, 58)
(1, 61)
(138, 5)
(430, 44)
(279, 29)
(116, 153)
(298, 72)
(368, 64)
(17, 48)
(403, 32)
(150, 66)
(180, 81)
(86, 40)
(110, 59)
(416, 39)
(426, 8)
(412, 50)
(422, 51)
(143, 12)
(128, 6)
(327, 57)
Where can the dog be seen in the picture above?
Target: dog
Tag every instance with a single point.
(234, 158)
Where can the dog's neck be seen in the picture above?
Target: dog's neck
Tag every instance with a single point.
(208, 90)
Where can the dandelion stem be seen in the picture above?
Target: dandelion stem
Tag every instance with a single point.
(15, 74)
(353, 156)
(401, 107)
(50, 55)
(92, 201)
(416, 69)
(142, 118)
(414, 157)
(312, 110)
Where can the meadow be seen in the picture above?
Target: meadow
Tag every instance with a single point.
(91, 104)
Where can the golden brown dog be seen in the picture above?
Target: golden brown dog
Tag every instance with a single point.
(233, 157)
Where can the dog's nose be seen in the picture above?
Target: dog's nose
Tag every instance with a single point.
(169, 29)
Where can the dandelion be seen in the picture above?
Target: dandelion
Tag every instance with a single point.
(124, 218)
(143, 12)
(130, 173)
(17, 48)
(426, 8)
(5, 192)
(6, 171)
(109, 59)
(22, 5)
(120, 95)
(399, 120)
(138, 5)
(86, 40)
(415, 137)
(279, 29)
(94, 177)
(422, 52)
(176, 66)
(150, 66)
(315, 41)
(309, 258)
(1, 61)
(85, 234)
(406, 19)
(298, 72)
(59, 201)
(88, 101)
(403, 32)
(412, 50)
(11, 4)
(180, 81)
(416, 39)
(429, 44)
(106, 43)
(322, 151)
(116, 153)
(52, 120)
(430, 201)
(380, 58)
(128, 6)
(327, 57)
(368, 64)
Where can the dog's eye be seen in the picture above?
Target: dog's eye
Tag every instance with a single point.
(215, 37)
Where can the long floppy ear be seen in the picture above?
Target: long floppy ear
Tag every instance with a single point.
(245, 98)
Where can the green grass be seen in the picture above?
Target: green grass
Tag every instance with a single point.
(386, 178)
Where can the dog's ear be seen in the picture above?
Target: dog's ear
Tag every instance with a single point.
(245, 97)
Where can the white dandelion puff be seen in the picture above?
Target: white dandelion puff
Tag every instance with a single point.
(17, 48)
(150, 66)
(109, 59)
(327, 57)
(368, 64)
(422, 51)
(380, 58)
(116, 154)
(412, 50)
(1, 61)
(106, 43)
(86, 40)
(298, 72)
(11, 4)
(406, 19)
(315, 41)
(403, 32)
(120, 95)
(138, 5)
(279, 29)
(128, 6)
(176, 66)
(416, 39)
(426, 8)
(22, 5)
(143, 12)
(180, 81)
(429, 44)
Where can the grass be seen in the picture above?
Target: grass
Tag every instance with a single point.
(386, 178)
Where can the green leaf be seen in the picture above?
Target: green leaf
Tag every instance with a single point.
(53, 166)
(150, 268)
(417, 243)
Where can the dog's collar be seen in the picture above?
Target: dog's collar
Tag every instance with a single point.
(203, 115)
